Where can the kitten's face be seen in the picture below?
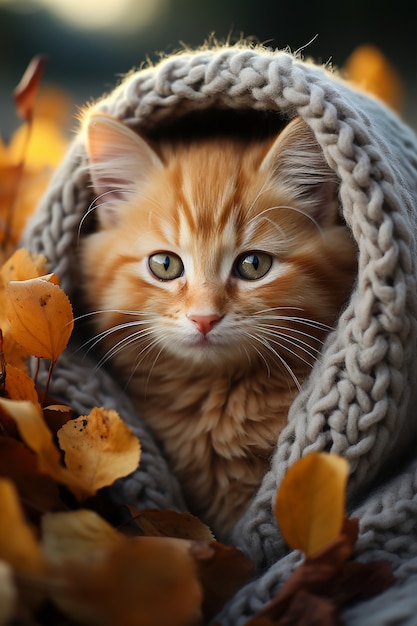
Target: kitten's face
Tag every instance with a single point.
(216, 252)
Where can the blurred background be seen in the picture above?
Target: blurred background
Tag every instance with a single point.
(91, 43)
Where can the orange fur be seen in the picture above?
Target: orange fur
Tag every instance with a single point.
(216, 400)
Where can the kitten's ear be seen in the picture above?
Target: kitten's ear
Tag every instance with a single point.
(119, 159)
(297, 165)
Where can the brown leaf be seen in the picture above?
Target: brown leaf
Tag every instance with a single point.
(326, 575)
(309, 507)
(39, 493)
(304, 609)
(26, 91)
(155, 523)
(99, 448)
(358, 581)
(146, 581)
(40, 316)
(56, 415)
(7, 424)
(222, 570)
(2, 362)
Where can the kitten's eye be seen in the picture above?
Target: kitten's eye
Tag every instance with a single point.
(253, 265)
(166, 265)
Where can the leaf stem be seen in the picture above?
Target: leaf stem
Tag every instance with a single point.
(48, 380)
(2, 363)
(35, 376)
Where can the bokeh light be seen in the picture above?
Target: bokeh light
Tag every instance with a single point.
(115, 15)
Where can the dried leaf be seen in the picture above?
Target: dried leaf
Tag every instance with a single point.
(2, 362)
(43, 150)
(18, 545)
(40, 316)
(359, 581)
(146, 581)
(99, 448)
(155, 523)
(22, 265)
(371, 70)
(325, 575)
(26, 91)
(309, 507)
(222, 571)
(8, 426)
(56, 415)
(76, 535)
(38, 492)
(20, 386)
(38, 437)
(8, 594)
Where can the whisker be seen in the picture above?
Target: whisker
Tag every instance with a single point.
(93, 206)
(124, 343)
(296, 345)
(267, 186)
(151, 369)
(101, 311)
(297, 356)
(294, 319)
(268, 369)
(270, 328)
(290, 208)
(279, 356)
(94, 341)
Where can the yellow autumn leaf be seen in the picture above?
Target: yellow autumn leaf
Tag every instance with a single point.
(23, 265)
(368, 68)
(18, 544)
(20, 386)
(75, 535)
(34, 150)
(99, 448)
(45, 149)
(38, 437)
(20, 266)
(40, 316)
(309, 506)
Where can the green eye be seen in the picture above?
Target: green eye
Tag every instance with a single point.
(166, 265)
(253, 265)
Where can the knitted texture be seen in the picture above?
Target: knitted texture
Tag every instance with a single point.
(359, 399)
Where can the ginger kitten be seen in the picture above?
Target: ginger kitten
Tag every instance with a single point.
(216, 270)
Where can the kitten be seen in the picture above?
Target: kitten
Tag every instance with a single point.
(216, 270)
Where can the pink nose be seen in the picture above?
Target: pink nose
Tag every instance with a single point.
(205, 323)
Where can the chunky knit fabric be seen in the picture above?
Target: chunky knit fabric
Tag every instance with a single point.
(360, 399)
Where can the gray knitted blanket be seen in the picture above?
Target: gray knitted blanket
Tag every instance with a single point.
(360, 399)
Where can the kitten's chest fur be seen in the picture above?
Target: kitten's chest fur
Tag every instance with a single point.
(218, 432)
